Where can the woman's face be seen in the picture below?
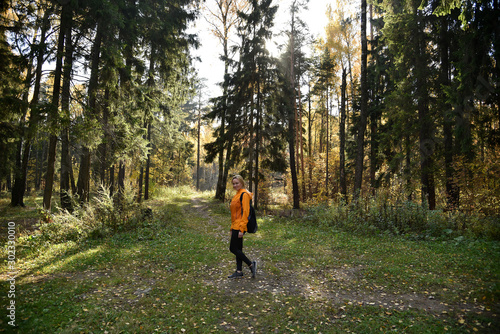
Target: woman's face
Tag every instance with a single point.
(236, 184)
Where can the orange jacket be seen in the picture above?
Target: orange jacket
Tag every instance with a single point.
(239, 222)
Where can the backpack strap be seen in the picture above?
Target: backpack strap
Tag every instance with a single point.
(241, 202)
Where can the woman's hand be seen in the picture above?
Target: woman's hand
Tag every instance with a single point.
(240, 234)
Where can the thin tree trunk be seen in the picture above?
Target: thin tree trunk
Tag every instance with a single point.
(141, 171)
(257, 144)
(373, 118)
(452, 202)
(121, 181)
(141, 177)
(72, 179)
(407, 172)
(198, 149)
(83, 185)
(321, 133)
(103, 147)
(327, 188)
(40, 158)
(293, 119)
(65, 185)
(373, 152)
(65, 105)
(53, 115)
(112, 184)
(360, 139)
(301, 147)
(251, 143)
(220, 192)
(229, 161)
(309, 140)
(148, 165)
(343, 180)
(8, 182)
(291, 147)
(148, 120)
(425, 124)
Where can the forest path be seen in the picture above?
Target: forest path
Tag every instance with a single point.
(169, 274)
(336, 287)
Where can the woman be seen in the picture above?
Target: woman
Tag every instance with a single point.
(239, 220)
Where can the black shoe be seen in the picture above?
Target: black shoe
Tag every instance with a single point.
(253, 268)
(237, 274)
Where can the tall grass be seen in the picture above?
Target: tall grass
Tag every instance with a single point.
(374, 215)
(106, 215)
(102, 216)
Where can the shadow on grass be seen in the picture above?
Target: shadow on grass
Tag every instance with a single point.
(169, 275)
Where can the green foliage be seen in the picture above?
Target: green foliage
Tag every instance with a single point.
(377, 215)
(102, 217)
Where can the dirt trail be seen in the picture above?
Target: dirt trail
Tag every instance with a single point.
(336, 287)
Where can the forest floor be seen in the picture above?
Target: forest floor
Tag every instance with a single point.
(170, 276)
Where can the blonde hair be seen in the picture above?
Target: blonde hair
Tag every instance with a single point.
(239, 178)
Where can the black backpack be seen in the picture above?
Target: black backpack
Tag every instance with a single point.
(252, 220)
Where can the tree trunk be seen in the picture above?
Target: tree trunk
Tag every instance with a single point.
(65, 186)
(360, 139)
(40, 158)
(452, 191)
(148, 165)
(229, 161)
(83, 185)
(309, 140)
(19, 187)
(293, 119)
(141, 177)
(291, 147)
(343, 180)
(8, 182)
(257, 143)
(103, 147)
(251, 143)
(327, 162)
(198, 150)
(66, 14)
(373, 118)
(148, 119)
(301, 147)
(426, 140)
(220, 192)
(121, 181)
(141, 171)
(112, 180)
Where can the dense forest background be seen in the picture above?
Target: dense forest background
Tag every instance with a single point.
(398, 104)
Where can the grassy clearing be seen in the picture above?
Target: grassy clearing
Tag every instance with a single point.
(168, 275)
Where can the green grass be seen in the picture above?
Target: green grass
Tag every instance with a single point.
(25, 218)
(169, 276)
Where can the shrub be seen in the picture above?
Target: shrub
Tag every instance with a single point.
(377, 215)
(101, 217)
(63, 227)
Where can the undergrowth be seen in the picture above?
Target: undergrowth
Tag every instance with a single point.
(103, 216)
(369, 216)
(166, 271)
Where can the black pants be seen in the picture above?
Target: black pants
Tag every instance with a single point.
(236, 247)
